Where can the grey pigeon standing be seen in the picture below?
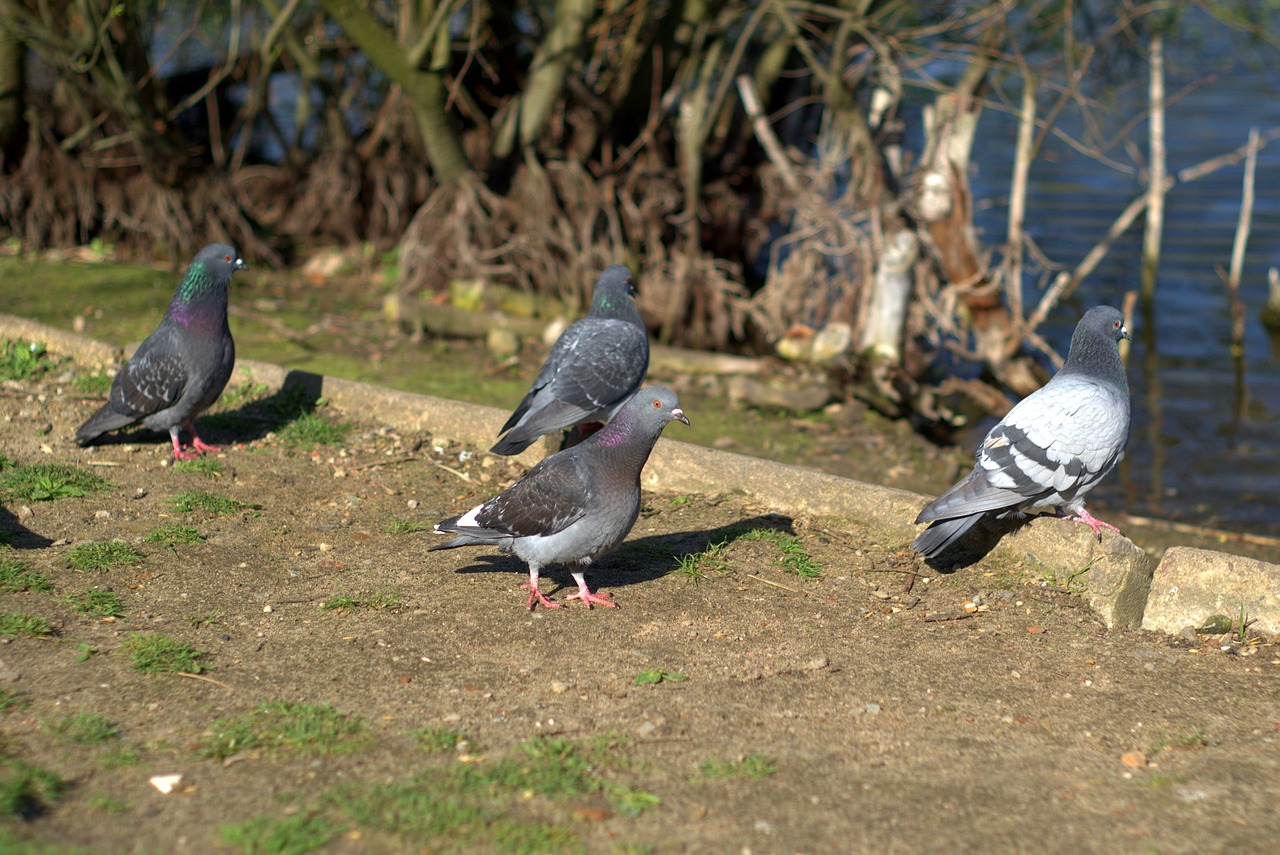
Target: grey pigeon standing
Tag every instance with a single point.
(593, 368)
(182, 367)
(1052, 448)
(576, 505)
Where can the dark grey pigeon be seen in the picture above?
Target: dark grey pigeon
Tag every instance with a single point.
(1052, 448)
(182, 367)
(575, 505)
(593, 368)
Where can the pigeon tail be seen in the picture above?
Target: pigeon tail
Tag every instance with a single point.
(105, 419)
(932, 541)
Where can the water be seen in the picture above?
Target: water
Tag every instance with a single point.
(1205, 447)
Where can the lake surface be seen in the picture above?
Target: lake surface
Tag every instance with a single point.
(1205, 447)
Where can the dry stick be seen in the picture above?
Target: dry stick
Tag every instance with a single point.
(1156, 180)
(777, 585)
(389, 462)
(1242, 239)
(1018, 203)
(1065, 283)
(1130, 303)
(764, 132)
(205, 679)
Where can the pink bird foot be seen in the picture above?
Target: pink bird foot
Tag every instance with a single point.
(199, 444)
(179, 453)
(536, 596)
(587, 597)
(1093, 522)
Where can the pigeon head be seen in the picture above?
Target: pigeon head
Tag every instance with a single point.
(641, 420)
(1095, 345)
(209, 272)
(201, 298)
(613, 292)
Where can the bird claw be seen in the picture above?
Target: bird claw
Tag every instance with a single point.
(179, 454)
(1093, 522)
(199, 445)
(536, 596)
(589, 598)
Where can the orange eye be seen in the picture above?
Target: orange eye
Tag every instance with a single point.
(226, 258)
(657, 405)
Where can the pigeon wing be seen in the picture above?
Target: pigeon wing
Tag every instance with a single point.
(153, 379)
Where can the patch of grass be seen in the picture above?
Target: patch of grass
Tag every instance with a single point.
(428, 814)
(406, 525)
(97, 602)
(753, 766)
(311, 429)
(289, 727)
(84, 728)
(439, 740)
(205, 466)
(97, 384)
(11, 699)
(106, 804)
(197, 500)
(241, 393)
(46, 482)
(208, 618)
(157, 654)
(20, 360)
(175, 533)
(120, 756)
(384, 600)
(84, 652)
(26, 790)
(22, 625)
(16, 576)
(97, 555)
(654, 676)
(273, 835)
(795, 558)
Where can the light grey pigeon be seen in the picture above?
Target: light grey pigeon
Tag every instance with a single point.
(593, 368)
(182, 367)
(576, 505)
(1052, 448)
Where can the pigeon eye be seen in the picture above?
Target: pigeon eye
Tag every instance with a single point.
(657, 405)
(1115, 325)
(226, 258)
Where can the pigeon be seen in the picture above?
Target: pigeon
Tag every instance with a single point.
(575, 505)
(595, 366)
(182, 367)
(1052, 448)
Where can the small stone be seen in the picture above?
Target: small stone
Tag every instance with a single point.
(872, 709)
(25, 513)
(165, 783)
(1188, 632)
(140, 493)
(558, 687)
(817, 663)
(412, 503)
(1134, 759)
(102, 515)
(324, 547)
(266, 610)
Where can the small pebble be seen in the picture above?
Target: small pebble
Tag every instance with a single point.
(102, 515)
(412, 503)
(872, 709)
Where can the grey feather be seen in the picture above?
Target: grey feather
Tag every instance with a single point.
(576, 505)
(593, 368)
(1052, 448)
(179, 371)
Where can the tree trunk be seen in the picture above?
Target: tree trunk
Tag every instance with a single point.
(424, 90)
(13, 128)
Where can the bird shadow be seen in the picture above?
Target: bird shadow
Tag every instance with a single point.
(253, 418)
(14, 534)
(977, 543)
(641, 560)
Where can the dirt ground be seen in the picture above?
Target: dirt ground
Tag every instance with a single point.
(730, 704)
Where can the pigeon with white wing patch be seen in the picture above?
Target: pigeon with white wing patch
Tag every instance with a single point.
(1052, 448)
(576, 505)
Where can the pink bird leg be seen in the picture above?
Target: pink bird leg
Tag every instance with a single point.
(584, 594)
(1093, 522)
(536, 596)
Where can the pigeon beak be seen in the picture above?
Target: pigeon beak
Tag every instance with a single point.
(240, 265)
(1124, 332)
(678, 414)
